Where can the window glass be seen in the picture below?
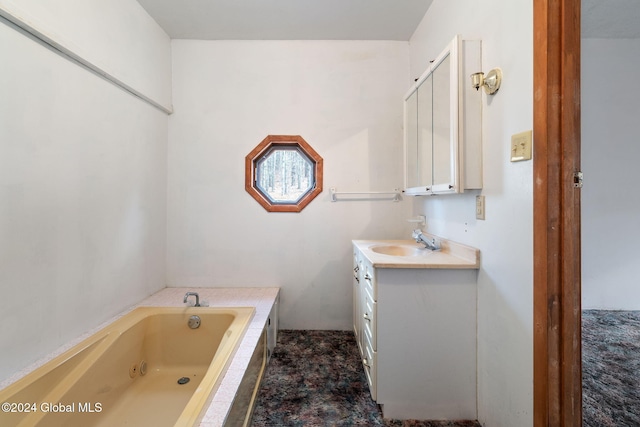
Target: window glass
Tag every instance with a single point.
(284, 175)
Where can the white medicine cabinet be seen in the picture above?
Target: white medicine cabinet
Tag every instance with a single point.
(442, 124)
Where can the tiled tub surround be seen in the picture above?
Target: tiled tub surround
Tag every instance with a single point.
(263, 299)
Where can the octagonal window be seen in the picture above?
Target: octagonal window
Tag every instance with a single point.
(283, 173)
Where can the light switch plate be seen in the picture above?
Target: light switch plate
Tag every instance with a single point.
(521, 146)
(479, 207)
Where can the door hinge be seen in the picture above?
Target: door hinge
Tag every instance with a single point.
(577, 179)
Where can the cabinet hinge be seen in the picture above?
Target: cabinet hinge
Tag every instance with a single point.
(577, 179)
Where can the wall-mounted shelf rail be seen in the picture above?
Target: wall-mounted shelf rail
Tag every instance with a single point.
(339, 196)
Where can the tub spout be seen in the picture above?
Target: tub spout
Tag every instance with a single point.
(195, 294)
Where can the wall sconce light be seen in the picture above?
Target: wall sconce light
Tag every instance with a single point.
(491, 83)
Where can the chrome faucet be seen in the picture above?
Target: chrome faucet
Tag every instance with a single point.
(432, 245)
(195, 294)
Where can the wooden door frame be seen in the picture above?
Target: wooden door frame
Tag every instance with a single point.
(556, 216)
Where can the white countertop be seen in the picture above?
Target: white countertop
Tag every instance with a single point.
(452, 255)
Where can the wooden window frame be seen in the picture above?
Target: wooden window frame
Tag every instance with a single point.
(265, 147)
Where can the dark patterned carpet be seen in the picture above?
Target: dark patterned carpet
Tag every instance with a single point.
(315, 378)
(611, 368)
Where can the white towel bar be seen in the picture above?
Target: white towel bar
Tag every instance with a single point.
(365, 195)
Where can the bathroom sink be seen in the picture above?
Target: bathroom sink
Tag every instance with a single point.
(401, 250)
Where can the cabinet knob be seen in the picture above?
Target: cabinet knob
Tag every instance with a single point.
(366, 317)
(365, 362)
(367, 277)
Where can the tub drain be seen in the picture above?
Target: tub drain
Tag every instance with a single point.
(183, 380)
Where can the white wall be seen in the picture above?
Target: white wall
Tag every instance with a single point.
(117, 36)
(345, 99)
(610, 151)
(505, 283)
(82, 200)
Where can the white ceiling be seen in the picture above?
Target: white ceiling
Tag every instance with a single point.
(288, 19)
(343, 19)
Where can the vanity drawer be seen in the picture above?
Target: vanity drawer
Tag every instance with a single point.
(369, 318)
(370, 364)
(369, 280)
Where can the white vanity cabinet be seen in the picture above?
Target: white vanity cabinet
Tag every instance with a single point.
(416, 332)
(357, 296)
(364, 315)
(442, 120)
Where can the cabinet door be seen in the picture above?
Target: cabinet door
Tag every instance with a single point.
(444, 123)
(419, 138)
(425, 133)
(357, 298)
(411, 140)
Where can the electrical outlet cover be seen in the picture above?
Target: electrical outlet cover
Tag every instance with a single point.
(479, 207)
